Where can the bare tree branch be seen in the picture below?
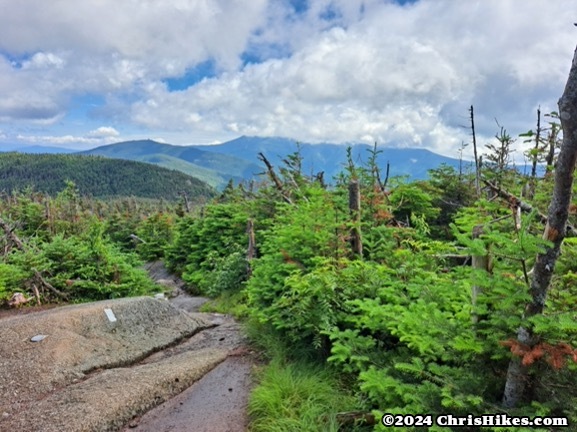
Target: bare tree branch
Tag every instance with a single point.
(571, 231)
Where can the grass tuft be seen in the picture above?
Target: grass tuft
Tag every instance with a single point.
(297, 397)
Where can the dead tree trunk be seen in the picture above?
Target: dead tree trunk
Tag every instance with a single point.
(518, 377)
(477, 165)
(355, 209)
(272, 175)
(537, 142)
(186, 202)
(552, 139)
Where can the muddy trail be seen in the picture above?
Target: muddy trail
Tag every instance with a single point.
(138, 364)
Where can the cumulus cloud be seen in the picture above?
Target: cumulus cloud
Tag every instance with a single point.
(42, 60)
(100, 136)
(104, 131)
(58, 49)
(393, 74)
(335, 70)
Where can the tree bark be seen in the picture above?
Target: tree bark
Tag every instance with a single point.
(477, 164)
(518, 377)
(355, 209)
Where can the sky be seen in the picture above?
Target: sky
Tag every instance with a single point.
(402, 73)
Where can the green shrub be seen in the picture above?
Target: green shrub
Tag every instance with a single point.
(156, 233)
(87, 267)
(11, 280)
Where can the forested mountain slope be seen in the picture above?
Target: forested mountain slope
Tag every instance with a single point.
(97, 176)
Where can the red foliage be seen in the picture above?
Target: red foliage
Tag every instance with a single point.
(555, 355)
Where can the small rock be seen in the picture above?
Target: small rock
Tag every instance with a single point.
(159, 296)
(37, 338)
(18, 299)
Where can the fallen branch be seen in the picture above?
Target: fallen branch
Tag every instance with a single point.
(45, 284)
(356, 418)
(524, 206)
(136, 238)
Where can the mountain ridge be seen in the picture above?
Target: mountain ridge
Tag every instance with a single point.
(214, 168)
(332, 158)
(237, 159)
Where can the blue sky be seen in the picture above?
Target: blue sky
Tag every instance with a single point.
(399, 73)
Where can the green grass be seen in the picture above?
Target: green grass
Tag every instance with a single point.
(233, 303)
(299, 397)
(294, 392)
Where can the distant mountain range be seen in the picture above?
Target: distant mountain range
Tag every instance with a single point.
(237, 159)
(332, 158)
(214, 168)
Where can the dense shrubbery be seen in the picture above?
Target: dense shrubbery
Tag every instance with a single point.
(397, 323)
(65, 247)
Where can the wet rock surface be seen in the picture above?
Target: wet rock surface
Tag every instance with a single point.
(91, 374)
(215, 403)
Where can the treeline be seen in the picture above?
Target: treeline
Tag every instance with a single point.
(97, 177)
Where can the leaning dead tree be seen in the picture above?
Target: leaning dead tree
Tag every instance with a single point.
(477, 164)
(274, 178)
(355, 210)
(518, 377)
(570, 230)
(12, 238)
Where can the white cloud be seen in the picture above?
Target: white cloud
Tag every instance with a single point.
(97, 137)
(104, 131)
(53, 140)
(405, 75)
(54, 50)
(340, 71)
(43, 60)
